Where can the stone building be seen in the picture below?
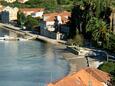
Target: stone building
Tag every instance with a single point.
(9, 14)
(54, 25)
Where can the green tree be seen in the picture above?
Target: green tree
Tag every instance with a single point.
(63, 2)
(75, 20)
(50, 5)
(112, 43)
(84, 10)
(31, 23)
(109, 67)
(21, 19)
(99, 32)
(78, 40)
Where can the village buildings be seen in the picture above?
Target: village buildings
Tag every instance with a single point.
(54, 25)
(34, 12)
(9, 14)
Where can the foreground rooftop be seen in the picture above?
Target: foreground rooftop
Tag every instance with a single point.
(84, 77)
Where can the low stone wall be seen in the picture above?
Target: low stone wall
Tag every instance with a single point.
(72, 50)
(45, 32)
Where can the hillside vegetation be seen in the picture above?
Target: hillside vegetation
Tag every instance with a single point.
(50, 5)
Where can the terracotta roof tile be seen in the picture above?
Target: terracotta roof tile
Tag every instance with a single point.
(84, 77)
(31, 9)
(51, 16)
(98, 74)
(69, 81)
(88, 78)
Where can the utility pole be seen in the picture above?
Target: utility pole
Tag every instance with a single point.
(87, 60)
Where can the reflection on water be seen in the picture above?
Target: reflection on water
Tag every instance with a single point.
(3, 32)
(30, 63)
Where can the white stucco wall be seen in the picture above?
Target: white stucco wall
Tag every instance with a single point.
(38, 14)
(12, 12)
(50, 25)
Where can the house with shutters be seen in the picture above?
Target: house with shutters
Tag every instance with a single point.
(9, 14)
(54, 25)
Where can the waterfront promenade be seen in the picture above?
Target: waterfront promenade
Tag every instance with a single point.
(31, 36)
(76, 62)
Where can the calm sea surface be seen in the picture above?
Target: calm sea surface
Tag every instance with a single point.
(30, 63)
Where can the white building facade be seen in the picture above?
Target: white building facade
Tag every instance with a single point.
(48, 25)
(9, 14)
(34, 12)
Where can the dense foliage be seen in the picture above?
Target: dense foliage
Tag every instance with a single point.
(83, 11)
(78, 40)
(27, 21)
(92, 19)
(31, 23)
(109, 67)
(99, 32)
(50, 5)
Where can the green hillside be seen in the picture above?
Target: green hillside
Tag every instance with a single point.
(50, 5)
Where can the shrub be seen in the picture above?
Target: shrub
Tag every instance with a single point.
(109, 67)
(78, 40)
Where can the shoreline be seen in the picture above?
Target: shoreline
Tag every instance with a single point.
(77, 62)
(31, 35)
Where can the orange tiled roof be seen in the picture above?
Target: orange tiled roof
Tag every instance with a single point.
(68, 81)
(51, 16)
(31, 9)
(84, 77)
(98, 74)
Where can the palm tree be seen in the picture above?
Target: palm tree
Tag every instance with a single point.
(98, 30)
